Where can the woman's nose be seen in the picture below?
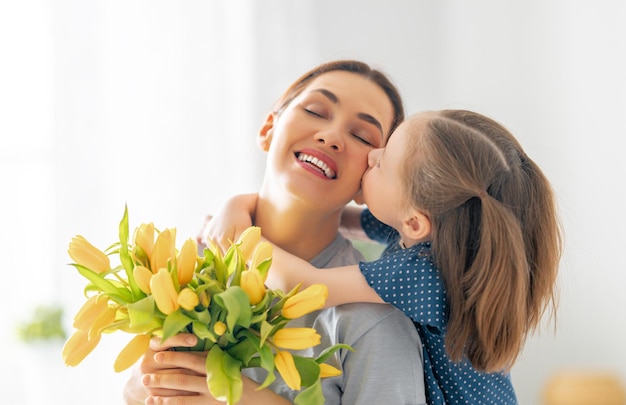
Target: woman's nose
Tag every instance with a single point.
(332, 138)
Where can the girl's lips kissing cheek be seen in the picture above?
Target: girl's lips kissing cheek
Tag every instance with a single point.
(317, 163)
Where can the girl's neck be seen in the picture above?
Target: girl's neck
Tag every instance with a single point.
(296, 227)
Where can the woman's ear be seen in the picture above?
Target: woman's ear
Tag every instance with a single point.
(417, 226)
(264, 138)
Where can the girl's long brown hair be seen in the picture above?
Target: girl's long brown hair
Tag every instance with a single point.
(496, 237)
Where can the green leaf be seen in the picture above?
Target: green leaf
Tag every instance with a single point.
(271, 376)
(201, 330)
(245, 349)
(223, 376)
(221, 270)
(329, 351)
(174, 323)
(203, 316)
(266, 357)
(266, 330)
(312, 395)
(264, 267)
(121, 295)
(141, 314)
(235, 301)
(125, 258)
(237, 266)
(309, 370)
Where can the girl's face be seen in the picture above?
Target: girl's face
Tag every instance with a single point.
(383, 189)
(318, 145)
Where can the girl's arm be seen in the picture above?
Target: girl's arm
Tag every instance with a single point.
(345, 284)
(232, 219)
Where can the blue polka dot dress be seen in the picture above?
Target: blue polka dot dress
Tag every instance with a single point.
(408, 279)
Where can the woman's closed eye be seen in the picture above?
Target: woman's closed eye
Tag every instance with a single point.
(364, 139)
(316, 112)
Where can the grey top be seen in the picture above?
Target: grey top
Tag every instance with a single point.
(387, 364)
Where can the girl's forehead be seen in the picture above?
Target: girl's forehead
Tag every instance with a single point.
(413, 126)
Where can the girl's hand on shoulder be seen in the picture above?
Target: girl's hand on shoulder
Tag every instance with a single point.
(229, 223)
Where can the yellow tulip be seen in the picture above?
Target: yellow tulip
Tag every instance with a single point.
(262, 253)
(326, 370)
(164, 249)
(287, 369)
(205, 298)
(86, 254)
(144, 239)
(188, 299)
(219, 328)
(163, 291)
(78, 346)
(248, 240)
(90, 311)
(252, 284)
(186, 261)
(131, 352)
(296, 338)
(142, 278)
(105, 319)
(306, 301)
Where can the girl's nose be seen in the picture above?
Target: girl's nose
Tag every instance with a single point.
(373, 157)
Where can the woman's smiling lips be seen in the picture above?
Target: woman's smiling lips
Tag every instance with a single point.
(317, 163)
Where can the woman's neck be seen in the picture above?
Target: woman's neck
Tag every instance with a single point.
(296, 227)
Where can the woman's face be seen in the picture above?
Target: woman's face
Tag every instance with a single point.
(318, 145)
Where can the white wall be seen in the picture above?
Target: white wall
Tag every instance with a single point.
(156, 105)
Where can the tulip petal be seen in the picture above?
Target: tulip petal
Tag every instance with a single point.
(248, 240)
(252, 284)
(142, 276)
(90, 311)
(296, 338)
(287, 369)
(132, 352)
(262, 258)
(164, 250)
(163, 291)
(78, 346)
(144, 242)
(87, 255)
(186, 261)
(188, 299)
(326, 371)
(306, 301)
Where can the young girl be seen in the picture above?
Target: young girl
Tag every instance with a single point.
(473, 246)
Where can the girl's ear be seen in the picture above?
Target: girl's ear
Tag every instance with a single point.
(417, 226)
(264, 138)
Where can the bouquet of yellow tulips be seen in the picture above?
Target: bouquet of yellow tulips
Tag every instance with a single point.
(158, 290)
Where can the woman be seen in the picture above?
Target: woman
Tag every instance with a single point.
(317, 138)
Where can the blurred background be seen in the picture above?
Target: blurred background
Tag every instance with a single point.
(156, 104)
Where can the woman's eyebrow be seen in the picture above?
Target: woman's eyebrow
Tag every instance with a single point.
(365, 117)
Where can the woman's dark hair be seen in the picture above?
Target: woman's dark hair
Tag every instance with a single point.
(353, 66)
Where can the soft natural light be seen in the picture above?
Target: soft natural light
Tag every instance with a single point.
(157, 104)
